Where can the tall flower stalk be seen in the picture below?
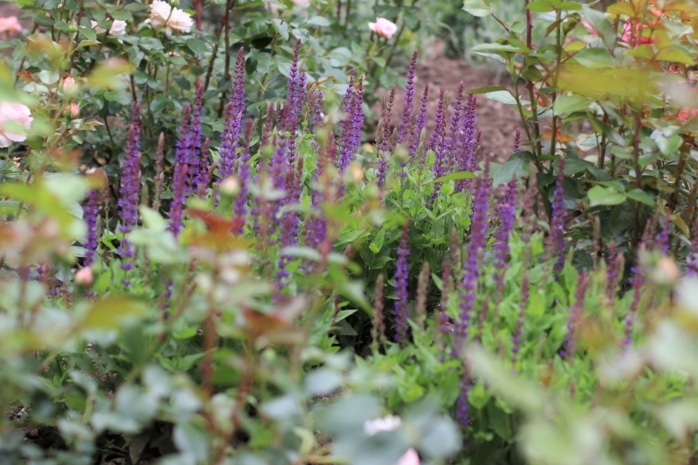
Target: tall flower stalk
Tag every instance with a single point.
(401, 282)
(130, 189)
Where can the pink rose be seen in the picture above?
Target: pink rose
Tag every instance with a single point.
(84, 276)
(15, 120)
(10, 24)
(410, 458)
(383, 27)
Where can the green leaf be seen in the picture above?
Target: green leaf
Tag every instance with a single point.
(542, 6)
(377, 243)
(322, 381)
(499, 48)
(640, 196)
(111, 313)
(354, 291)
(455, 176)
(152, 219)
(109, 74)
(595, 57)
(599, 195)
(192, 442)
(479, 8)
(197, 46)
(503, 96)
(675, 54)
(485, 89)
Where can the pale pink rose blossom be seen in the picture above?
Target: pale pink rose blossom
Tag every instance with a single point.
(410, 458)
(10, 24)
(118, 28)
(15, 120)
(301, 3)
(383, 27)
(84, 276)
(172, 19)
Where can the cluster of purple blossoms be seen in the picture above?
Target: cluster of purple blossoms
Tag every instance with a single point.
(232, 124)
(692, 259)
(404, 127)
(662, 237)
(507, 216)
(346, 138)
(420, 123)
(471, 265)
(385, 142)
(129, 192)
(401, 283)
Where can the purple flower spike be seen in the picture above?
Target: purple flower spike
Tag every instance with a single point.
(569, 346)
(471, 265)
(179, 181)
(295, 97)
(195, 159)
(401, 292)
(517, 140)
(467, 158)
(407, 103)
(234, 112)
(385, 144)
(91, 213)
(130, 189)
(240, 207)
(437, 138)
(507, 215)
(463, 402)
(420, 122)
(350, 135)
(557, 220)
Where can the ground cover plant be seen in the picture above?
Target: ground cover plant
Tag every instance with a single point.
(204, 260)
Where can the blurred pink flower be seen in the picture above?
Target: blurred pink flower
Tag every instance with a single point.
(383, 27)
(84, 276)
(15, 120)
(301, 3)
(410, 458)
(10, 24)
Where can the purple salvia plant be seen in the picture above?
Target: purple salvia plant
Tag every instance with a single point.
(437, 138)
(507, 215)
(197, 161)
(295, 97)
(614, 267)
(467, 159)
(316, 228)
(569, 345)
(471, 265)
(385, 144)
(520, 319)
(179, 186)
(351, 127)
(517, 140)
(557, 220)
(130, 189)
(240, 205)
(453, 142)
(463, 402)
(401, 282)
(91, 213)
(420, 123)
(344, 136)
(403, 129)
(232, 126)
